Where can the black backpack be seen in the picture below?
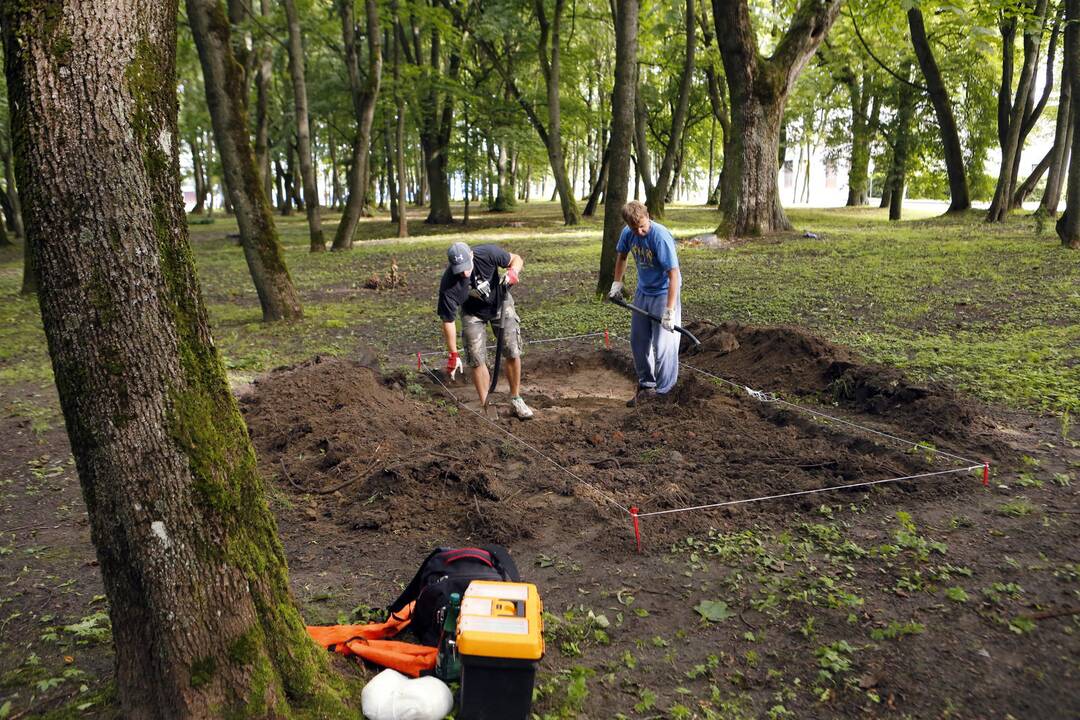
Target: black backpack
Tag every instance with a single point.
(446, 571)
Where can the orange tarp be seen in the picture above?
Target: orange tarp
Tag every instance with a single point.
(370, 643)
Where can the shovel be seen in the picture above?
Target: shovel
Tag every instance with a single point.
(634, 308)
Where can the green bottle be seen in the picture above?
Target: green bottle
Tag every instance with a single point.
(447, 663)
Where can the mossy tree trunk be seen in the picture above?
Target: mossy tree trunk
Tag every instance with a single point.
(622, 133)
(1068, 225)
(759, 88)
(364, 92)
(202, 618)
(303, 129)
(223, 78)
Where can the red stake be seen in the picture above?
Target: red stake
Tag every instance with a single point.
(637, 527)
(419, 363)
(986, 474)
(607, 340)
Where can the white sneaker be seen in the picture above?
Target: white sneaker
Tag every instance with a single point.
(523, 411)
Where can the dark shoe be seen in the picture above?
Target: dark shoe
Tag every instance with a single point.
(643, 395)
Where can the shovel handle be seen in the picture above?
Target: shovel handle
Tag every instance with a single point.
(634, 308)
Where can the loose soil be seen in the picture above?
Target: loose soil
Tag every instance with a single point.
(368, 470)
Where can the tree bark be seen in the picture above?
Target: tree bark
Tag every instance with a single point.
(600, 185)
(1068, 225)
(364, 93)
(202, 618)
(656, 195)
(399, 128)
(197, 174)
(303, 129)
(1026, 187)
(264, 68)
(13, 203)
(1014, 115)
(1062, 142)
(960, 198)
(551, 68)
(901, 146)
(861, 133)
(223, 80)
(622, 130)
(759, 87)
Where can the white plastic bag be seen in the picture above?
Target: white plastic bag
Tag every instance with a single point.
(392, 696)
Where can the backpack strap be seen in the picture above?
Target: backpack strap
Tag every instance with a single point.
(412, 590)
(469, 553)
(503, 562)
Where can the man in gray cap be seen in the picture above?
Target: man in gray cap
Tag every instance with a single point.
(472, 284)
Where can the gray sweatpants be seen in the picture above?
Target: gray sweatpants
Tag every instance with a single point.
(656, 350)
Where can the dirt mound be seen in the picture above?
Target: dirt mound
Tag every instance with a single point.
(790, 361)
(396, 455)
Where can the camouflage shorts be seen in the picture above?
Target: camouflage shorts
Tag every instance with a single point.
(475, 335)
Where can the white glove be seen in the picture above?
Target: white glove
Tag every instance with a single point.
(616, 290)
(667, 320)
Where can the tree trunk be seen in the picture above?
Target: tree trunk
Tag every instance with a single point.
(1062, 142)
(303, 129)
(264, 68)
(759, 87)
(197, 175)
(861, 134)
(202, 617)
(399, 128)
(1026, 188)
(1068, 225)
(600, 185)
(364, 93)
(960, 198)
(901, 146)
(656, 195)
(223, 80)
(12, 201)
(1013, 117)
(622, 130)
(288, 179)
(30, 271)
(551, 68)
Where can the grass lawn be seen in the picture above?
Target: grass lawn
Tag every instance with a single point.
(991, 309)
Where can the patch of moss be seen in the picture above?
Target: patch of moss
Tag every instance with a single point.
(202, 671)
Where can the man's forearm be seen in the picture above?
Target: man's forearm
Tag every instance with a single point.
(449, 331)
(620, 266)
(673, 287)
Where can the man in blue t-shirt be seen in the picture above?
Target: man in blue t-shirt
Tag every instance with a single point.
(655, 345)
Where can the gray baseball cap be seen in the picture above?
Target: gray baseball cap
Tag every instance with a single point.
(460, 257)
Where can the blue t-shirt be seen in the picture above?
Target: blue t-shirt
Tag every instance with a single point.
(654, 255)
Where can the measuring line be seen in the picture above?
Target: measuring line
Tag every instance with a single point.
(807, 492)
(527, 342)
(770, 398)
(531, 447)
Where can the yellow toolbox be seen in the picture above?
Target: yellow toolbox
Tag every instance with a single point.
(500, 639)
